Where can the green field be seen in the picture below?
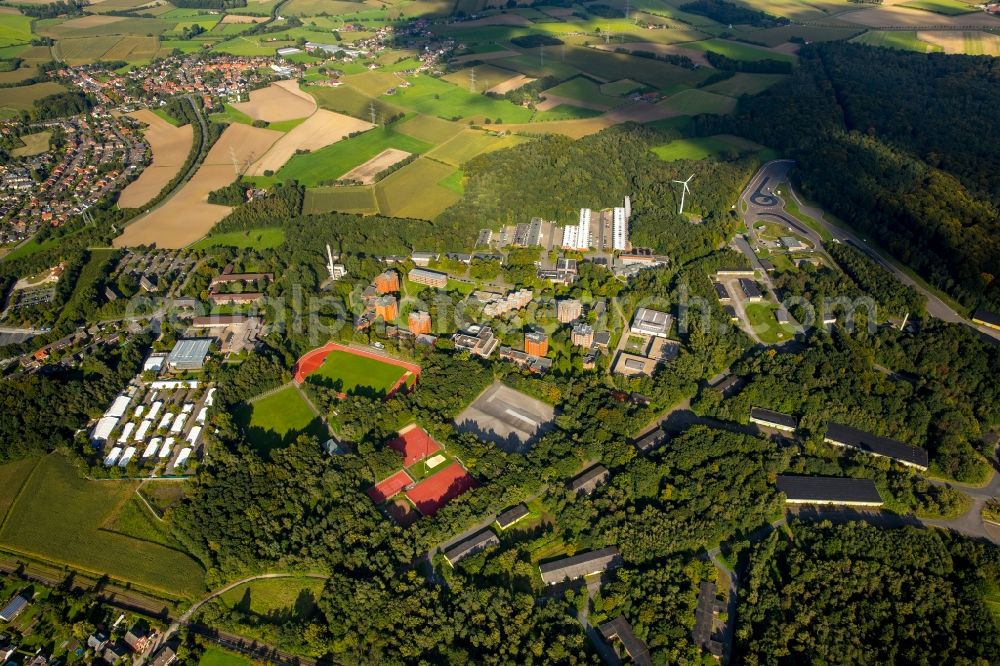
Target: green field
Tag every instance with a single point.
(739, 50)
(62, 518)
(353, 374)
(34, 144)
(694, 101)
(470, 143)
(14, 29)
(295, 597)
(277, 420)
(328, 164)
(349, 100)
(702, 147)
(621, 87)
(23, 98)
(135, 520)
(230, 114)
(428, 128)
(609, 67)
(215, 656)
(946, 7)
(413, 191)
(764, 324)
(259, 239)
(564, 112)
(585, 90)
(902, 40)
(439, 98)
(744, 84)
(353, 199)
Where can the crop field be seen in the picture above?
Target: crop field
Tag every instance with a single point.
(702, 147)
(744, 84)
(897, 16)
(170, 146)
(319, 130)
(438, 98)
(901, 40)
(353, 199)
(428, 128)
(23, 98)
(487, 76)
(258, 239)
(187, 216)
(277, 420)
(967, 42)
(586, 92)
(14, 29)
(366, 173)
(692, 102)
(413, 191)
(739, 50)
(333, 161)
(610, 66)
(349, 100)
(62, 518)
(812, 33)
(248, 46)
(279, 101)
(946, 7)
(34, 144)
(470, 143)
(621, 87)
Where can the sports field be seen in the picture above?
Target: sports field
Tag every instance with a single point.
(414, 444)
(278, 419)
(350, 373)
(59, 517)
(388, 487)
(435, 491)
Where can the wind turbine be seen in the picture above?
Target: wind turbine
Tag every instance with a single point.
(684, 191)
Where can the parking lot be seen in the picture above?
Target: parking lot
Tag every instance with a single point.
(508, 418)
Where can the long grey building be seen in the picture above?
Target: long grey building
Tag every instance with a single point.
(580, 565)
(588, 480)
(839, 434)
(771, 419)
(829, 490)
(479, 541)
(620, 629)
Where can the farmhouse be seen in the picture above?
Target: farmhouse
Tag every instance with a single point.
(189, 354)
(984, 318)
(651, 322)
(511, 516)
(577, 566)
(428, 278)
(478, 542)
(842, 435)
(829, 490)
(588, 481)
(772, 419)
(619, 629)
(13, 608)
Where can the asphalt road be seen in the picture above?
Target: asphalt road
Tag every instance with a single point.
(759, 202)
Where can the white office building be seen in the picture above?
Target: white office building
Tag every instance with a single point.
(619, 229)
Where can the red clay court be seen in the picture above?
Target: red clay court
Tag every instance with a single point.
(385, 489)
(415, 444)
(312, 360)
(434, 492)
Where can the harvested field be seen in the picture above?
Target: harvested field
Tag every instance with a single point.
(34, 144)
(492, 55)
(366, 172)
(660, 49)
(970, 43)
(512, 83)
(242, 18)
(318, 131)
(903, 17)
(22, 98)
(496, 19)
(187, 216)
(170, 146)
(277, 102)
(357, 199)
(91, 21)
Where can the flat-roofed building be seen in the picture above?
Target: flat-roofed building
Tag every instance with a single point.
(629, 365)
(619, 230)
(13, 608)
(387, 282)
(721, 292)
(706, 613)
(189, 354)
(419, 322)
(771, 419)
(651, 322)
(986, 318)
(425, 258)
(577, 237)
(580, 565)
(839, 434)
(650, 441)
(751, 290)
(620, 630)
(428, 278)
(582, 335)
(829, 490)
(538, 364)
(478, 340)
(588, 481)
(510, 516)
(476, 543)
(568, 310)
(536, 343)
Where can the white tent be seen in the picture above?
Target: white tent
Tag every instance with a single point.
(202, 415)
(192, 437)
(112, 456)
(178, 423)
(118, 407)
(165, 421)
(129, 452)
(182, 457)
(140, 434)
(154, 444)
(126, 433)
(104, 428)
(154, 410)
(165, 449)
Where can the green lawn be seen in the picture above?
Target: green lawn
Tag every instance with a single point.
(328, 164)
(259, 239)
(703, 147)
(276, 596)
(439, 98)
(765, 325)
(218, 657)
(353, 374)
(167, 117)
(278, 419)
(231, 115)
(946, 7)
(62, 518)
(14, 29)
(135, 520)
(902, 40)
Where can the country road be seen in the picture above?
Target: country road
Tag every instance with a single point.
(762, 201)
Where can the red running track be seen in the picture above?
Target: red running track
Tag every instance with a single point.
(312, 360)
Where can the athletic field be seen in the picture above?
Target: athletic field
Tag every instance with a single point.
(355, 371)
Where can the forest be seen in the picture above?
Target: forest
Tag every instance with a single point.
(854, 593)
(894, 150)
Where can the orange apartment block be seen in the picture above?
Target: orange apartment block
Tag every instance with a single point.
(419, 322)
(536, 343)
(387, 282)
(386, 308)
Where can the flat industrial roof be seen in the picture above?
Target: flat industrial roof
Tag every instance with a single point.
(869, 443)
(189, 351)
(829, 489)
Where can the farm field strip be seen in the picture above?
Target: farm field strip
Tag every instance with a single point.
(321, 129)
(170, 146)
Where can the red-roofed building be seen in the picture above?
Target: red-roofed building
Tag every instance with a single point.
(415, 444)
(385, 489)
